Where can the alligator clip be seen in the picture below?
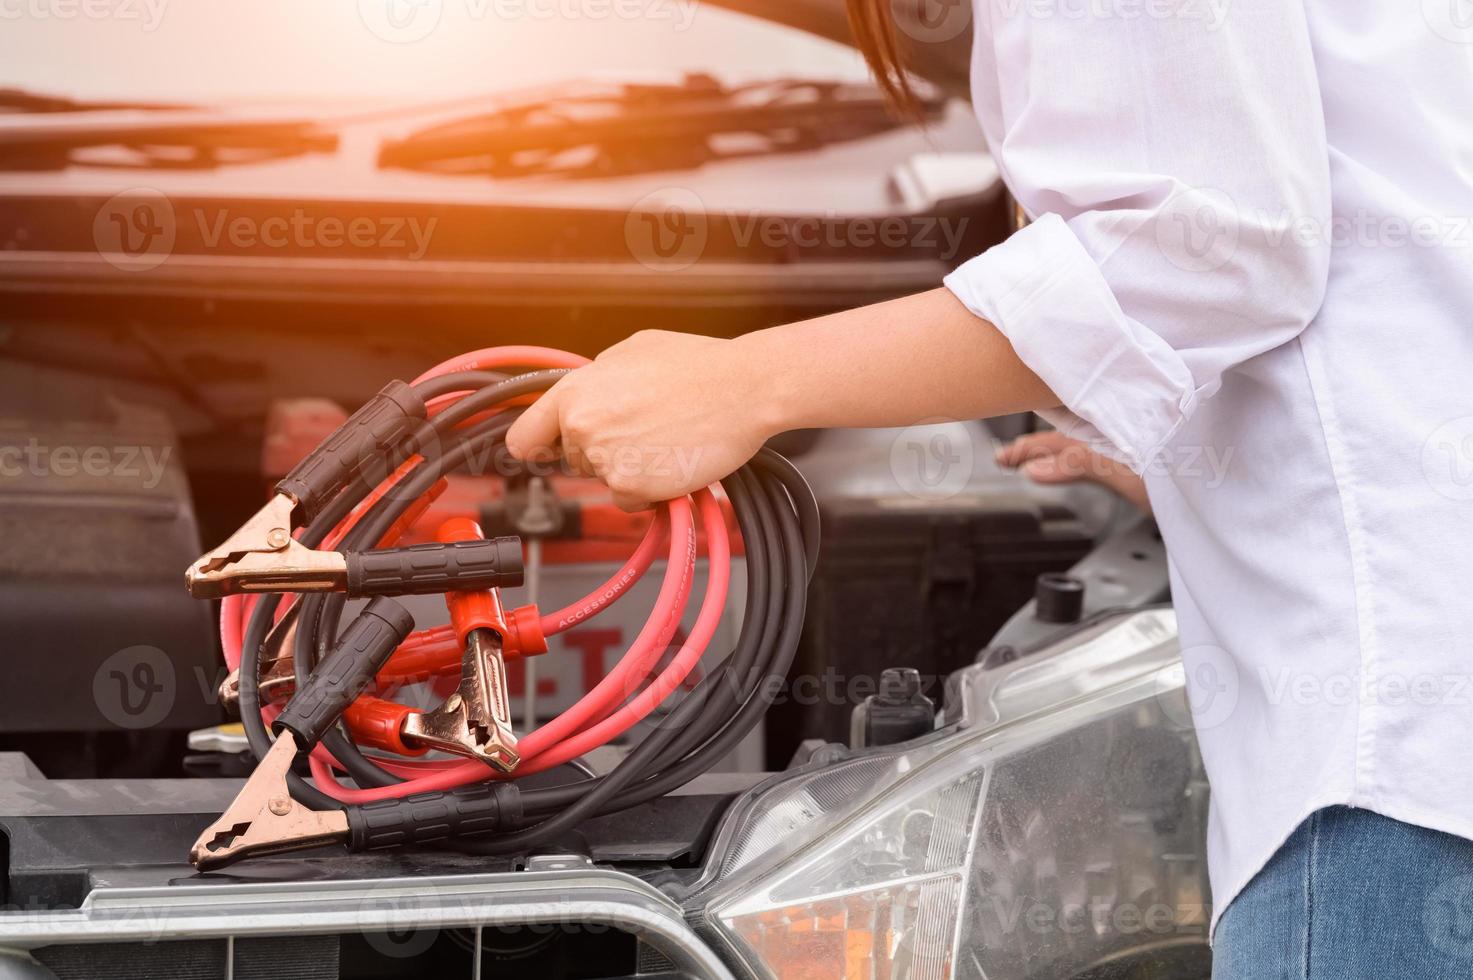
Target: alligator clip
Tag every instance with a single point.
(264, 819)
(262, 556)
(277, 666)
(475, 721)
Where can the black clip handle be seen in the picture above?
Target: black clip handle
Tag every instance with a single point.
(480, 808)
(343, 674)
(425, 569)
(369, 435)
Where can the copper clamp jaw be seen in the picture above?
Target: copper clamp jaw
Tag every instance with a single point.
(475, 721)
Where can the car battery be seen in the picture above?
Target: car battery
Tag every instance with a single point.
(928, 547)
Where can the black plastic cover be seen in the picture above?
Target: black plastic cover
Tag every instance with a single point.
(425, 569)
(359, 654)
(481, 808)
(365, 438)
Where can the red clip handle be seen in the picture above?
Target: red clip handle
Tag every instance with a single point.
(380, 724)
(470, 611)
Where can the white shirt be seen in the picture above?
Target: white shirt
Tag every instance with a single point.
(1250, 274)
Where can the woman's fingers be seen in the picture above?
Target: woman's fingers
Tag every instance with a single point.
(1051, 469)
(1032, 446)
(630, 503)
(1052, 458)
(537, 433)
(654, 417)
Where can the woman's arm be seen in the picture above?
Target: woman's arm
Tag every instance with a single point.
(664, 413)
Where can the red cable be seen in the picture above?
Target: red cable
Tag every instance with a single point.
(552, 744)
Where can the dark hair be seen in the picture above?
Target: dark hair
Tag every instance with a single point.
(874, 32)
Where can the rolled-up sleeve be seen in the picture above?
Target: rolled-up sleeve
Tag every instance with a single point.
(1173, 158)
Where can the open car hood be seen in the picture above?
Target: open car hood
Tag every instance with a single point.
(936, 35)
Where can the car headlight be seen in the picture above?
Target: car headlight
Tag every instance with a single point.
(1057, 827)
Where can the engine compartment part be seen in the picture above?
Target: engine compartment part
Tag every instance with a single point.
(349, 501)
(928, 549)
(1127, 569)
(94, 502)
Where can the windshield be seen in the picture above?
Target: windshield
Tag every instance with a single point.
(402, 50)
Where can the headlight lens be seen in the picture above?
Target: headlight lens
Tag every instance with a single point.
(888, 890)
(1046, 843)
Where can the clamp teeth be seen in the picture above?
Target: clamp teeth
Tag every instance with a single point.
(264, 819)
(262, 556)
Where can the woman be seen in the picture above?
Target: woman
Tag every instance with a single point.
(1250, 236)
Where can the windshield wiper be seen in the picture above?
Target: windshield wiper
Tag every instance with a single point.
(157, 138)
(26, 100)
(605, 130)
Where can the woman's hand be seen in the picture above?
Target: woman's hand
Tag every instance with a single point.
(654, 417)
(662, 414)
(1052, 457)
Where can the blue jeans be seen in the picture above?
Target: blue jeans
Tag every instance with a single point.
(1353, 895)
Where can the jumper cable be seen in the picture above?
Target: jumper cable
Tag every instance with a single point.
(357, 494)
